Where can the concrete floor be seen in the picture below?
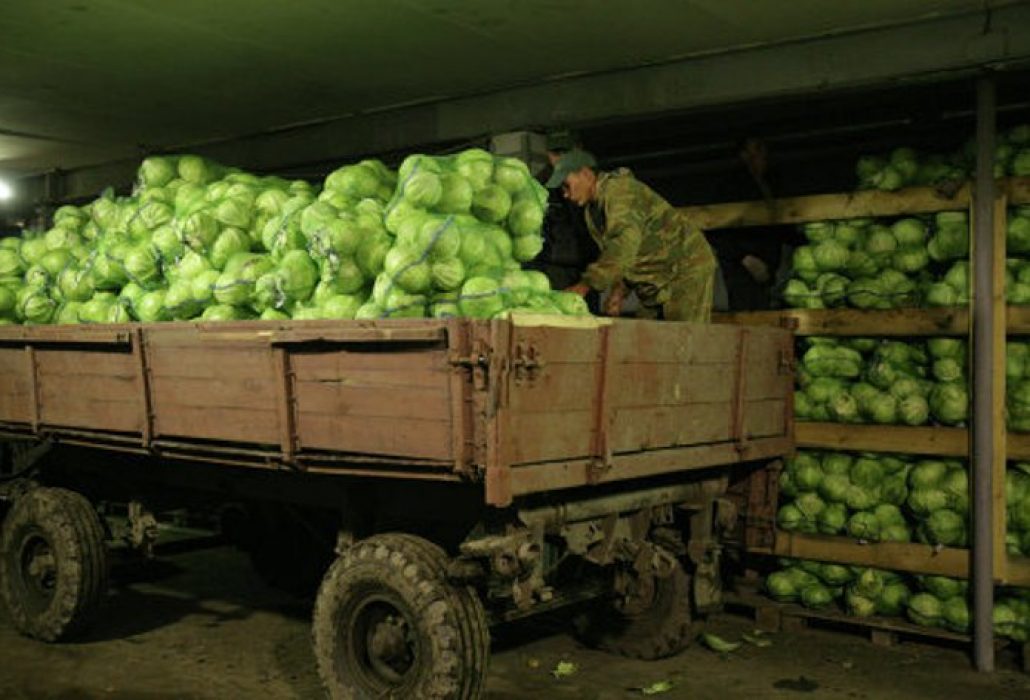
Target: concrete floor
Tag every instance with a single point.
(201, 626)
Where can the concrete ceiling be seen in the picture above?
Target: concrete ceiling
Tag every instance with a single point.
(91, 81)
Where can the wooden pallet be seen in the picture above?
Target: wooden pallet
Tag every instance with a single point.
(771, 616)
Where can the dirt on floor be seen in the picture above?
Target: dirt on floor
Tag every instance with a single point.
(201, 626)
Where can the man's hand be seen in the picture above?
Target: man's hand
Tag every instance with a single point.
(580, 288)
(613, 304)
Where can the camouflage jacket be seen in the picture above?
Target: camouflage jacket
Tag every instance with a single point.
(643, 239)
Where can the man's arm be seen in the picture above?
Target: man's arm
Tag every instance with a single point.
(619, 244)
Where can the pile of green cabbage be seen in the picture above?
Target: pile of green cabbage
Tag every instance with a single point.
(875, 498)
(864, 380)
(881, 263)
(904, 167)
(200, 240)
(892, 498)
(461, 226)
(880, 497)
(912, 262)
(931, 601)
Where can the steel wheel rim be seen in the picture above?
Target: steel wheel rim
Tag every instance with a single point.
(381, 641)
(37, 569)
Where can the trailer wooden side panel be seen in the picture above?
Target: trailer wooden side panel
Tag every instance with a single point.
(521, 405)
(95, 386)
(16, 400)
(211, 389)
(374, 400)
(604, 393)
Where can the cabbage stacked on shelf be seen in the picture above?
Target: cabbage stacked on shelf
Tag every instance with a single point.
(199, 240)
(876, 497)
(930, 601)
(904, 167)
(862, 380)
(911, 261)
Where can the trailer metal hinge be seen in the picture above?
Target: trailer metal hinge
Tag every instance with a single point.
(526, 362)
(478, 360)
(470, 361)
(787, 364)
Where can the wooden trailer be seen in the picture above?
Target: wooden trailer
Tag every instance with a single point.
(574, 458)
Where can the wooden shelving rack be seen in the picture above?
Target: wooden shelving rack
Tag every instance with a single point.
(924, 440)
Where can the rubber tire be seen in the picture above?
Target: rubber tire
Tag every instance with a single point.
(68, 522)
(451, 629)
(664, 629)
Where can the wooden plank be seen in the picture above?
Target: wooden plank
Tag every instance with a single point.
(766, 418)
(672, 426)
(370, 366)
(54, 388)
(925, 440)
(646, 384)
(1017, 446)
(567, 434)
(821, 207)
(14, 383)
(209, 362)
(12, 361)
(1018, 190)
(892, 322)
(232, 424)
(542, 478)
(1018, 320)
(83, 411)
(857, 322)
(557, 386)
(561, 386)
(213, 392)
(782, 614)
(16, 407)
(567, 345)
(895, 556)
(346, 333)
(80, 334)
(423, 439)
(636, 341)
(767, 372)
(1017, 571)
(385, 401)
(85, 362)
(560, 435)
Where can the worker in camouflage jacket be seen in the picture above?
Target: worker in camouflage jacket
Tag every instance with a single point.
(647, 246)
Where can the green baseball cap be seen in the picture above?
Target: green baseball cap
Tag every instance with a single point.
(570, 162)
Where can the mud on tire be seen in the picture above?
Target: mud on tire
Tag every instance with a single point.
(665, 626)
(388, 624)
(53, 563)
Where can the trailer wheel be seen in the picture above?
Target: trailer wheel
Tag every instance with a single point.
(652, 619)
(388, 624)
(53, 563)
